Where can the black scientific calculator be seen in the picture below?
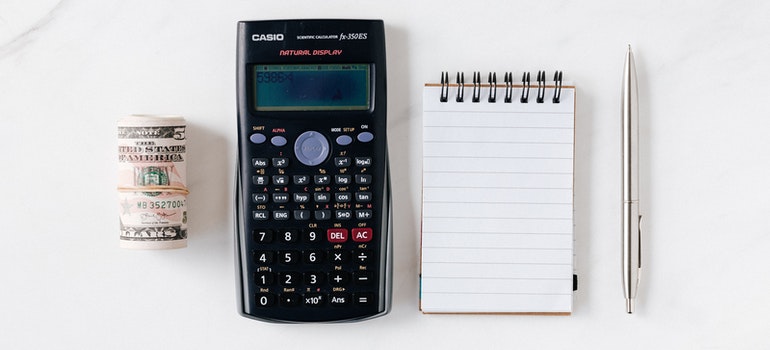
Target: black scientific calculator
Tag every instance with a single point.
(313, 188)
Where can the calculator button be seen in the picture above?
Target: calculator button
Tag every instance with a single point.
(342, 197)
(342, 179)
(288, 257)
(259, 163)
(339, 256)
(322, 179)
(301, 179)
(343, 214)
(363, 197)
(280, 180)
(365, 136)
(311, 148)
(339, 278)
(362, 179)
(290, 279)
(263, 236)
(289, 299)
(363, 256)
(321, 197)
(323, 214)
(281, 215)
(339, 299)
(259, 198)
(313, 299)
(315, 278)
(264, 257)
(257, 138)
(289, 236)
(337, 235)
(264, 278)
(260, 215)
(342, 162)
(363, 161)
(361, 235)
(313, 256)
(313, 236)
(260, 180)
(280, 197)
(265, 299)
(363, 214)
(363, 299)
(363, 278)
(302, 214)
(280, 162)
(301, 197)
(344, 140)
(278, 141)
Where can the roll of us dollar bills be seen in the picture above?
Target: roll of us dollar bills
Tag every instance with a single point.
(152, 182)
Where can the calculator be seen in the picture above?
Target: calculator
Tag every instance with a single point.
(313, 218)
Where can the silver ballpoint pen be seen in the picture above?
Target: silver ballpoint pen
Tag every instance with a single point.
(632, 233)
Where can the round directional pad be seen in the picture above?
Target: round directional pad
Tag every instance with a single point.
(311, 148)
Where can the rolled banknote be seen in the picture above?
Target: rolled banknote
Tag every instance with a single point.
(152, 182)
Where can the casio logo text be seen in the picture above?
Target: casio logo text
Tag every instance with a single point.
(267, 37)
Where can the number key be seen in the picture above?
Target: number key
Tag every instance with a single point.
(313, 236)
(314, 278)
(263, 236)
(313, 256)
(289, 278)
(264, 257)
(264, 278)
(265, 299)
(289, 257)
(289, 236)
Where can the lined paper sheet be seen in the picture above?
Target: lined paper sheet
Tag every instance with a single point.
(497, 215)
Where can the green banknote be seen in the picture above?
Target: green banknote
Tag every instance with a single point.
(152, 182)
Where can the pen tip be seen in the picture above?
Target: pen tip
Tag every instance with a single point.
(630, 306)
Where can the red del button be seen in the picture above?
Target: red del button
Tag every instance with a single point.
(362, 234)
(337, 235)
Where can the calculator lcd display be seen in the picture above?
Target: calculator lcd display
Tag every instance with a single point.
(312, 87)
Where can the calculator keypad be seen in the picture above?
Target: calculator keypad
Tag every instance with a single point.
(314, 244)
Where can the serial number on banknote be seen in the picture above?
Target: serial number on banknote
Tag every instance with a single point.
(161, 204)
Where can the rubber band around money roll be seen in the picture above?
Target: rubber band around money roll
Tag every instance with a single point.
(153, 189)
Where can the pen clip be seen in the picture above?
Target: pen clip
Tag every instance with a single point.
(639, 246)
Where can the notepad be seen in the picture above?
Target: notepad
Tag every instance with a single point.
(497, 201)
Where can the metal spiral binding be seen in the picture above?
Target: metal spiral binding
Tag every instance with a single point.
(508, 87)
(444, 86)
(492, 79)
(460, 87)
(540, 86)
(557, 91)
(525, 81)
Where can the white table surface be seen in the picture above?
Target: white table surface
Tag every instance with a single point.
(70, 69)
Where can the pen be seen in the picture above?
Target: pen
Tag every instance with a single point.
(632, 234)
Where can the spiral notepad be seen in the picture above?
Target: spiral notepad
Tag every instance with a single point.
(497, 206)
